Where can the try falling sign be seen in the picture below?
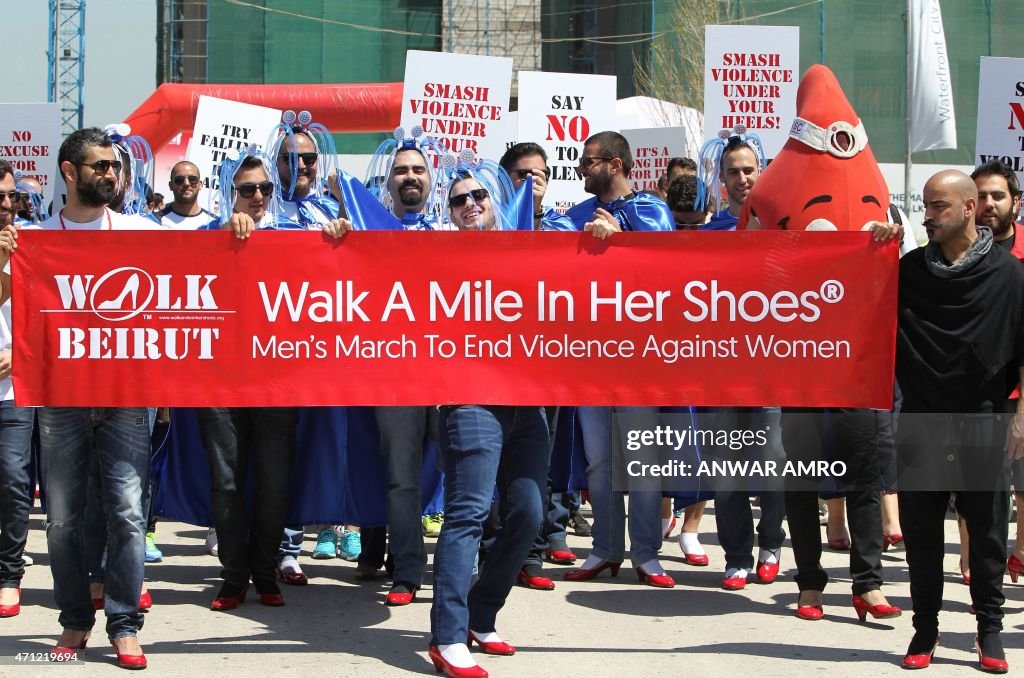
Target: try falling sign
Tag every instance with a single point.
(560, 111)
(459, 99)
(224, 127)
(750, 80)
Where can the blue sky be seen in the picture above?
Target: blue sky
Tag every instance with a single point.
(120, 55)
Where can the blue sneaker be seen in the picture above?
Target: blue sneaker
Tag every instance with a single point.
(326, 544)
(153, 554)
(349, 546)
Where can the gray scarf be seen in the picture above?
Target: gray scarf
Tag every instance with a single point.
(941, 268)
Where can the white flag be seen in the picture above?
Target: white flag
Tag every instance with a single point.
(932, 121)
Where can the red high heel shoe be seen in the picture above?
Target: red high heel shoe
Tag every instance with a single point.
(499, 648)
(534, 582)
(990, 664)
(877, 611)
(560, 556)
(68, 651)
(579, 574)
(400, 595)
(1014, 567)
(891, 540)
(841, 544)
(271, 599)
(920, 661)
(145, 602)
(661, 581)
(11, 610)
(225, 603)
(441, 666)
(130, 661)
(97, 603)
(809, 612)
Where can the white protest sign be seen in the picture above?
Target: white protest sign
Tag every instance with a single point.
(751, 74)
(30, 139)
(652, 149)
(559, 111)
(223, 126)
(1001, 113)
(459, 99)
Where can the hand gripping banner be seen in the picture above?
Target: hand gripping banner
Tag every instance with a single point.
(413, 318)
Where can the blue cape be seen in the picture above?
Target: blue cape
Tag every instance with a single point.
(640, 212)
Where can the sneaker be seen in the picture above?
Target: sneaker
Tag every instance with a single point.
(349, 546)
(211, 541)
(153, 554)
(432, 524)
(678, 513)
(326, 544)
(27, 559)
(579, 525)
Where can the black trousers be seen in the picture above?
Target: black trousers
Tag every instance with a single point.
(234, 437)
(922, 517)
(850, 436)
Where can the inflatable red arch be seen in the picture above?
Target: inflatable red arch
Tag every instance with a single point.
(368, 107)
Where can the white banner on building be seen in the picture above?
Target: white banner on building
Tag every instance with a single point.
(559, 111)
(459, 99)
(652, 149)
(30, 139)
(1001, 113)
(223, 126)
(932, 121)
(751, 74)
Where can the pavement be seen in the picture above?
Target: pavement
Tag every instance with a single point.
(337, 626)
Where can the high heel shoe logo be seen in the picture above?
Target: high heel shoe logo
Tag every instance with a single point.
(130, 288)
(134, 296)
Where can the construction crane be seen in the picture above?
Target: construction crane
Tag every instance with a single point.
(66, 61)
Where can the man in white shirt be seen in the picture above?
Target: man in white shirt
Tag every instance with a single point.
(184, 212)
(70, 438)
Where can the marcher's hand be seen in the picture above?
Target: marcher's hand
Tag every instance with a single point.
(1014, 446)
(540, 187)
(880, 231)
(8, 243)
(336, 228)
(5, 363)
(241, 224)
(603, 224)
(333, 185)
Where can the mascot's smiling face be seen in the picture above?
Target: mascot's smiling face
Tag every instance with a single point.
(825, 177)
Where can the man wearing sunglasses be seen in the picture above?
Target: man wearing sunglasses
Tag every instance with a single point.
(71, 439)
(303, 202)
(184, 213)
(525, 160)
(471, 206)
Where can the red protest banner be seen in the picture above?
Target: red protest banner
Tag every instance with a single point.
(291, 318)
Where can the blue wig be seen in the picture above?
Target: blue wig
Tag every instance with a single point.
(489, 175)
(709, 163)
(432, 150)
(140, 167)
(229, 167)
(323, 142)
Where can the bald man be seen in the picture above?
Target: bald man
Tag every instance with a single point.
(184, 212)
(960, 349)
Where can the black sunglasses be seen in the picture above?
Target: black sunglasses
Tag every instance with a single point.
(249, 190)
(15, 196)
(478, 194)
(523, 173)
(588, 160)
(308, 158)
(102, 166)
(182, 178)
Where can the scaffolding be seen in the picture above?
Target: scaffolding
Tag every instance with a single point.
(181, 41)
(66, 61)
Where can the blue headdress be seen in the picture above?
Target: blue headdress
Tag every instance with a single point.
(709, 163)
(323, 143)
(379, 169)
(489, 175)
(39, 211)
(229, 167)
(140, 167)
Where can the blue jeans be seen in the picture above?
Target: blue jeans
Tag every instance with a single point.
(481, 445)
(70, 438)
(609, 527)
(733, 515)
(15, 489)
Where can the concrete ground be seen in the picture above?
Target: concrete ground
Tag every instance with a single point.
(337, 626)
